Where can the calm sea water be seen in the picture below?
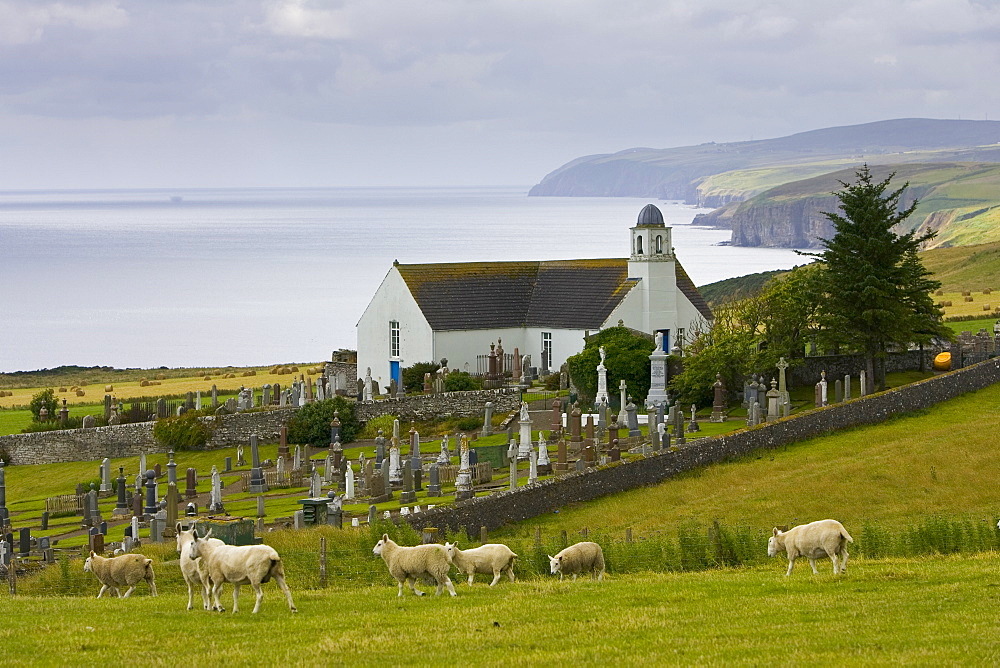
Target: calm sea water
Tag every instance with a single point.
(144, 278)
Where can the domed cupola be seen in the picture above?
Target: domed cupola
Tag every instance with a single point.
(650, 216)
(650, 237)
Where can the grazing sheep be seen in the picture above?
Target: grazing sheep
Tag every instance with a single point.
(117, 572)
(193, 570)
(490, 558)
(579, 558)
(823, 538)
(406, 564)
(240, 565)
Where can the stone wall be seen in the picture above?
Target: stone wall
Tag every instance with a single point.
(438, 406)
(807, 372)
(525, 502)
(129, 440)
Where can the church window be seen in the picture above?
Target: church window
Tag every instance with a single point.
(546, 350)
(638, 245)
(393, 338)
(659, 243)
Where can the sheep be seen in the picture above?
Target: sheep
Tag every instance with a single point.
(490, 558)
(813, 541)
(124, 571)
(240, 565)
(193, 570)
(579, 558)
(406, 564)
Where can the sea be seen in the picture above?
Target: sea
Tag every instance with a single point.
(216, 277)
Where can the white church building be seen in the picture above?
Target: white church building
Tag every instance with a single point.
(426, 312)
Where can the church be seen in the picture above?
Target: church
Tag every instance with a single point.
(426, 312)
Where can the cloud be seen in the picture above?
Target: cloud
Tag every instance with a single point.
(23, 22)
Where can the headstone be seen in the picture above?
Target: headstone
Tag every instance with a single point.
(240, 459)
(838, 391)
(215, 504)
(315, 484)
(415, 462)
(524, 443)
(444, 458)
(823, 388)
(191, 488)
(121, 506)
(602, 380)
(863, 377)
(657, 373)
(463, 481)
(512, 457)
(173, 498)
(719, 400)
(349, 483)
(487, 429)
(544, 463)
(615, 453)
(773, 399)
(171, 468)
(137, 505)
(632, 419)
(434, 484)
(105, 475)
(693, 425)
(533, 467)
(283, 442)
(395, 463)
(379, 448)
(557, 421)
(215, 397)
(847, 387)
(407, 495)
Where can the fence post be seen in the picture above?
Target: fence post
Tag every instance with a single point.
(584, 532)
(483, 537)
(628, 535)
(12, 576)
(565, 538)
(322, 561)
(538, 536)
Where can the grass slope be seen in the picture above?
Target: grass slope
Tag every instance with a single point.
(939, 462)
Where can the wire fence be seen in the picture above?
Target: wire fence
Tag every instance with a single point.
(324, 557)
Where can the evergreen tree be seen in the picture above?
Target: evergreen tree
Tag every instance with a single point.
(877, 291)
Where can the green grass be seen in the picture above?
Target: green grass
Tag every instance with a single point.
(933, 611)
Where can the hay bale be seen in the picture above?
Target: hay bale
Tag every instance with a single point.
(143, 383)
(939, 293)
(969, 299)
(987, 291)
(109, 388)
(80, 393)
(966, 293)
(207, 378)
(160, 376)
(986, 307)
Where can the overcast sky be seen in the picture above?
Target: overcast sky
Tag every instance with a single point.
(166, 93)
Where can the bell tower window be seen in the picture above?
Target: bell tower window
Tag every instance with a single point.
(659, 243)
(638, 245)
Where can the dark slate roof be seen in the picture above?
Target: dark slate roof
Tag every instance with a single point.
(564, 294)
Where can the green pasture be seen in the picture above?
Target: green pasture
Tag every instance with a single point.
(928, 611)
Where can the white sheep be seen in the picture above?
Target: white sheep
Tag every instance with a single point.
(406, 564)
(117, 572)
(491, 558)
(823, 538)
(239, 565)
(579, 558)
(194, 570)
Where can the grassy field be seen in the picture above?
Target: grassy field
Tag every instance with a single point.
(128, 385)
(933, 611)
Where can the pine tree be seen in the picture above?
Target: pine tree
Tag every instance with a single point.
(877, 290)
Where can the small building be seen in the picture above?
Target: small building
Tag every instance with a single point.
(454, 311)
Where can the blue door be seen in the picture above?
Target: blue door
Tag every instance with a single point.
(395, 373)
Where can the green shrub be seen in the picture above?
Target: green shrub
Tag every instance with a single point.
(551, 382)
(383, 422)
(184, 432)
(468, 423)
(311, 423)
(413, 376)
(46, 398)
(461, 381)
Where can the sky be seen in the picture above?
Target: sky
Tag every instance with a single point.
(257, 93)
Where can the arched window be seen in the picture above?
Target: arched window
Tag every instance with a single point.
(638, 245)
(659, 243)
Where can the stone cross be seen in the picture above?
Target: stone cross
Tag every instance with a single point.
(622, 417)
(106, 475)
(463, 481)
(349, 482)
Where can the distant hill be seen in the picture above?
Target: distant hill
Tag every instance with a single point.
(692, 173)
(961, 201)
(960, 268)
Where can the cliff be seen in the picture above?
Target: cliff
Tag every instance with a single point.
(687, 172)
(959, 201)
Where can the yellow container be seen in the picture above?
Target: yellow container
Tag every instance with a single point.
(942, 362)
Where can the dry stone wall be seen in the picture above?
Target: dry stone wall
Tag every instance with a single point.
(437, 406)
(130, 440)
(525, 502)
